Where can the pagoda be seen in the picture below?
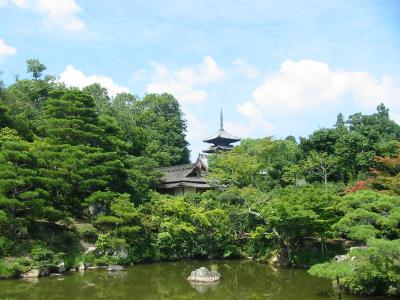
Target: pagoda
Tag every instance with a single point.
(221, 140)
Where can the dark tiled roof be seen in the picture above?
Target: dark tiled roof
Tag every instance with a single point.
(213, 149)
(189, 184)
(181, 173)
(222, 135)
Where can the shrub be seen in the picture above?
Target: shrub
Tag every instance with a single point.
(6, 269)
(374, 270)
(87, 232)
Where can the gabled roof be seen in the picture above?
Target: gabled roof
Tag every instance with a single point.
(222, 135)
(187, 173)
(178, 173)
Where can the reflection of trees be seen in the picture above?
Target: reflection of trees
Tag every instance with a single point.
(240, 280)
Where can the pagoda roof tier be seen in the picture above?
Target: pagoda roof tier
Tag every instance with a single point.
(221, 136)
(214, 149)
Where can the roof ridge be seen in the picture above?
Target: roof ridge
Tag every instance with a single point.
(176, 167)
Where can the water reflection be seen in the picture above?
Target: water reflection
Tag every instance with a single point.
(240, 280)
(203, 287)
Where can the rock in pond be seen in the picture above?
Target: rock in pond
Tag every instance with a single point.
(204, 275)
(34, 273)
(61, 268)
(114, 268)
(44, 272)
(81, 267)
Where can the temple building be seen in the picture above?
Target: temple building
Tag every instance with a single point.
(221, 140)
(191, 178)
(187, 178)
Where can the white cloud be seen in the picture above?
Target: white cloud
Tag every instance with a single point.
(196, 129)
(57, 13)
(245, 68)
(76, 78)
(184, 83)
(6, 50)
(188, 84)
(310, 84)
(19, 3)
(61, 13)
(256, 122)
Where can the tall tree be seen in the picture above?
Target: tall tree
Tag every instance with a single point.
(82, 146)
(165, 129)
(100, 96)
(320, 164)
(27, 97)
(71, 118)
(35, 67)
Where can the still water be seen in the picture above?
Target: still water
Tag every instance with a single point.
(240, 280)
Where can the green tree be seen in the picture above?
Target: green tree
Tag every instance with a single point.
(165, 129)
(368, 214)
(26, 98)
(294, 214)
(85, 148)
(372, 270)
(23, 195)
(5, 119)
(71, 118)
(320, 164)
(100, 96)
(35, 67)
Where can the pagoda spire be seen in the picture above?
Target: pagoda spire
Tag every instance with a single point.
(221, 140)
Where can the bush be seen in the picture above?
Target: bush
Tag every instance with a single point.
(21, 265)
(5, 246)
(87, 232)
(72, 260)
(41, 253)
(6, 270)
(374, 270)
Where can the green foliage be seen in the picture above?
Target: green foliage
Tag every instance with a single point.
(41, 253)
(332, 271)
(354, 143)
(165, 132)
(320, 164)
(374, 270)
(80, 165)
(100, 96)
(8, 134)
(35, 67)
(5, 119)
(180, 228)
(294, 214)
(87, 232)
(368, 214)
(262, 163)
(6, 271)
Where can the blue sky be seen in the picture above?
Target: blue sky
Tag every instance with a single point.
(275, 67)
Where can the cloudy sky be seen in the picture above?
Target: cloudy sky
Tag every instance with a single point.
(274, 67)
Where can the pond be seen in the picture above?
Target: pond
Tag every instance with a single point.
(240, 280)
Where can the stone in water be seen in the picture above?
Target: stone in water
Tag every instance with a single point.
(204, 275)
